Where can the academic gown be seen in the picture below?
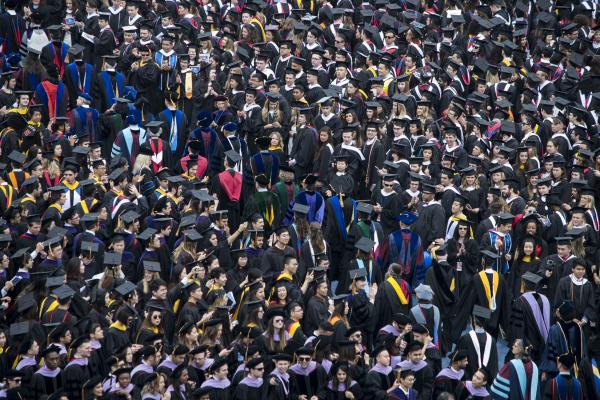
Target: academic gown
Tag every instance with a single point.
(423, 378)
(219, 390)
(391, 208)
(316, 312)
(340, 216)
(45, 381)
(476, 293)
(307, 380)
(266, 204)
(530, 319)
(442, 279)
(251, 388)
(393, 296)
(431, 223)
(75, 374)
(175, 132)
(448, 380)
(562, 337)
(331, 392)
(581, 293)
(590, 382)
(78, 78)
(564, 386)
(378, 380)
(405, 248)
(559, 267)
(474, 356)
(304, 146)
(508, 381)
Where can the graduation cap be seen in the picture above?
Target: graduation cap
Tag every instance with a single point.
(358, 274)
(365, 244)
(52, 241)
(89, 247)
(146, 233)
(25, 303)
(233, 156)
(532, 278)
(152, 266)
(482, 312)
(63, 292)
(17, 157)
(125, 288)
(18, 328)
(55, 281)
(193, 235)
(300, 208)
(364, 208)
(113, 259)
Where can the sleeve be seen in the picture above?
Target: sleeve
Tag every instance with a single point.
(501, 386)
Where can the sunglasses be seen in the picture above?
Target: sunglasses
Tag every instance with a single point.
(278, 320)
(304, 358)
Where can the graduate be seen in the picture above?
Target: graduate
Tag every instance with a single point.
(84, 119)
(431, 224)
(218, 384)
(393, 296)
(403, 386)
(53, 93)
(565, 385)
(406, 249)
(531, 316)
(253, 386)
(108, 85)
(479, 344)
(450, 379)
(175, 127)
(579, 290)
(386, 203)
(311, 198)
(279, 379)
(129, 141)
(476, 388)
(78, 76)
(514, 375)
(263, 202)
(564, 336)
(76, 372)
(263, 162)
(48, 378)
(380, 379)
(487, 289)
(588, 369)
(228, 187)
(423, 372)
(339, 180)
(306, 376)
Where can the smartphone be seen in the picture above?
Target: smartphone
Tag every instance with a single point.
(195, 70)
(70, 21)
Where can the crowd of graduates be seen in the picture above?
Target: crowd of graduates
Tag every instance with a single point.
(303, 199)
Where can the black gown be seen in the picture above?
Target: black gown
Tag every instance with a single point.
(466, 343)
(74, 376)
(378, 382)
(306, 381)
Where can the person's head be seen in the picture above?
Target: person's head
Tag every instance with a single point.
(459, 360)
(480, 378)
(322, 289)
(158, 288)
(578, 268)
(256, 368)
(406, 378)
(296, 312)
(290, 264)
(382, 357)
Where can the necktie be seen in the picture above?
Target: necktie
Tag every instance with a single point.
(188, 85)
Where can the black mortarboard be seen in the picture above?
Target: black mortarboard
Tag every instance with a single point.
(112, 259)
(481, 312)
(125, 288)
(152, 266)
(63, 292)
(365, 244)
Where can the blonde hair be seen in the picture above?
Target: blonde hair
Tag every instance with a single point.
(141, 161)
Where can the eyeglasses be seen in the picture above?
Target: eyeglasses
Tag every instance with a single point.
(386, 185)
(304, 358)
(157, 317)
(389, 37)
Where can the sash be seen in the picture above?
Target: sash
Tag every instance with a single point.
(293, 328)
(487, 351)
(7, 191)
(231, 185)
(339, 217)
(27, 199)
(399, 290)
(596, 373)
(490, 295)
